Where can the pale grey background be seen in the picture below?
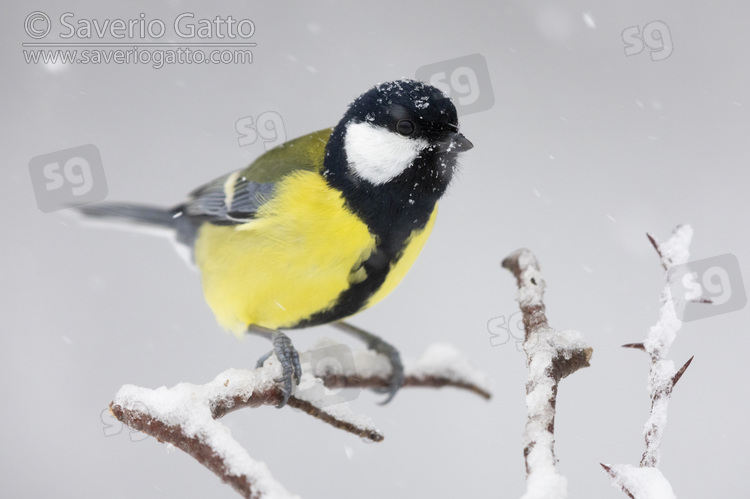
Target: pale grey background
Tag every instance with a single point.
(648, 144)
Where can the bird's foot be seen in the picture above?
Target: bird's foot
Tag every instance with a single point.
(289, 360)
(397, 368)
(382, 347)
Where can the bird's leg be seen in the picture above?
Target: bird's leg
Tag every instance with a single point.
(378, 345)
(287, 355)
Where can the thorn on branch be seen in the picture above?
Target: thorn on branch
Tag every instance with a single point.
(638, 346)
(617, 479)
(679, 373)
(658, 250)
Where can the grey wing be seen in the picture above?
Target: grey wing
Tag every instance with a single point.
(228, 200)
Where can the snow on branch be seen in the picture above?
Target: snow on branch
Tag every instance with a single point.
(186, 415)
(640, 483)
(646, 481)
(550, 355)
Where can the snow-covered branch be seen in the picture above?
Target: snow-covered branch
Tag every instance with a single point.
(186, 415)
(646, 481)
(550, 355)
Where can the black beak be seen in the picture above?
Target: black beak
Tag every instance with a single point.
(456, 142)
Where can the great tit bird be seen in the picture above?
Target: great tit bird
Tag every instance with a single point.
(322, 226)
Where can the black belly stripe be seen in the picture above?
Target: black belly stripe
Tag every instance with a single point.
(355, 296)
(391, 211)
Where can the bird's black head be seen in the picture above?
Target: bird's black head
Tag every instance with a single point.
(394, 153)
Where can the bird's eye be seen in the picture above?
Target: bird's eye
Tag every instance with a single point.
(405, 127)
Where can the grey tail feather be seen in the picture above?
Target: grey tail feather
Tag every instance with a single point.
(150, 215)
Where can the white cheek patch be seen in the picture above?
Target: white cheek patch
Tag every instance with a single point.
(379, 155)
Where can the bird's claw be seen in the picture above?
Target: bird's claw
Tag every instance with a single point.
(397, 368)
(290, 365)
(384, 348)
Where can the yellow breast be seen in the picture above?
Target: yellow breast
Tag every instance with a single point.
(293, 260)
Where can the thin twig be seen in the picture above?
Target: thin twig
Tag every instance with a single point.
(551, 355)
(186, 415)
(640, 482)
(658, 341)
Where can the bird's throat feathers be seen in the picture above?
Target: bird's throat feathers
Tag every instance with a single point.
(392, 210)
